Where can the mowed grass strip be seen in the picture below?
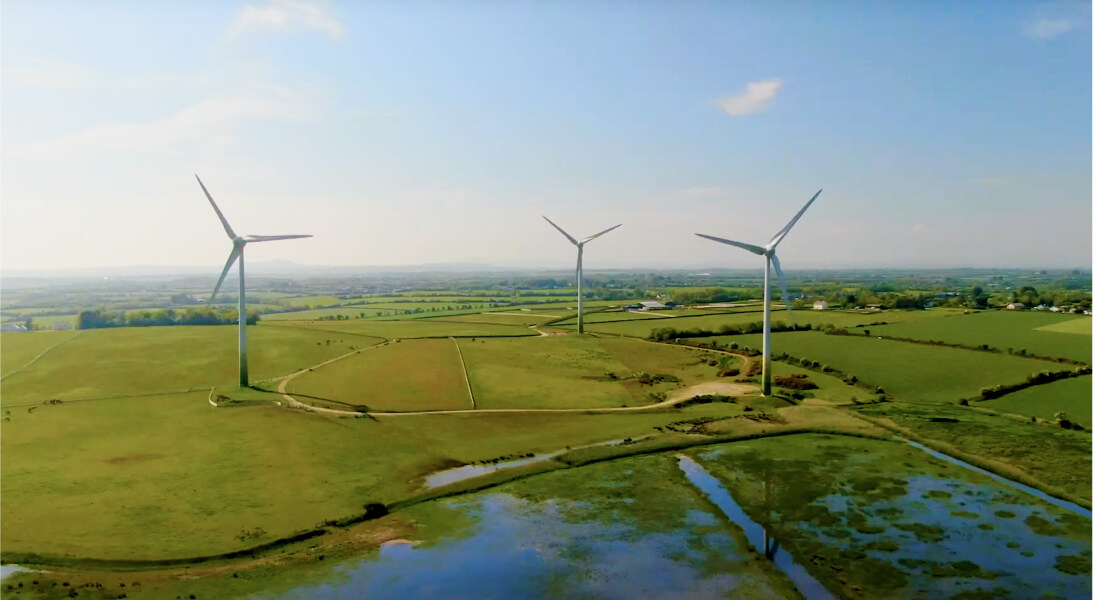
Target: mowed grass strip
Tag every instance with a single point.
(407, 376)
(1080, 326)
(418, 328)
(19, 348)
(501, 318)
(1072, 396)
(1030, 331)
(907, 370)
(141, 360)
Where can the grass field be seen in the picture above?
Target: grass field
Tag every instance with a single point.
(906, 370)
(510, 317)
(574, 372)
(141, 360)
(643, 327)
(415, 328)
(170, 476)
(1073, 396)
(19, 348)
(406, 376)
(311, 315)
(1040, 333)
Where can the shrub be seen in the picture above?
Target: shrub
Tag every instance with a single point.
(797, 381)
(729, 372)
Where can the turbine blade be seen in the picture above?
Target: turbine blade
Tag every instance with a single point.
(777, 239)
(567, 236)
(271, 238)
(227, 228)
(592, 237)
(236, 251)
(749, 247)
(782, 284)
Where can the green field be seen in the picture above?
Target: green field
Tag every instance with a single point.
(574, 372)
(430, 377)
(643, 327)
(311, 315)
(414, 328)
(142, 360)
(169, 476)
(21, 347)
(510, 317)
(1040, 333)
(1073, 396)
(906, 370)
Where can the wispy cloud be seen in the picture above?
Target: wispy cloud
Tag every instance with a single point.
(1055, 19)
(208, 123)
(753, 99)
(289, 15)
(46, 74)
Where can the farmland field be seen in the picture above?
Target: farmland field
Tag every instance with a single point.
(906, 370)
(1040, 333)
(17, 349)
(413, 328)
(1073, 396)
(141, 360)
(508, 317)
(431, 378)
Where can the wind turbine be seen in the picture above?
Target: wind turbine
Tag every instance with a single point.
(238, 244)
(580, 268)
(768, 252)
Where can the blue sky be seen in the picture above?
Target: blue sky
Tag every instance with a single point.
(944, 134)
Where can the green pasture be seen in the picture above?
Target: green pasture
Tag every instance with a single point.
(311, 315)
(1073, 396)
(643, 327)
(906, 370)
(407, 376)
(413, 328)
(1079, 325)
(142, 360)
(20, 347)
(319, 301)
(1041, 333)
(171, 476)
(576, 371)
(509, 317)
(610, 316)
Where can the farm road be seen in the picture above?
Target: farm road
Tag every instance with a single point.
(44, 352)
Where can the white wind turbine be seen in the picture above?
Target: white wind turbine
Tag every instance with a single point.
(768, 252)
(238, 243)
(580, 268)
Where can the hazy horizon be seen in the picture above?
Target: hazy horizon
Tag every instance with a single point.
(944, 135)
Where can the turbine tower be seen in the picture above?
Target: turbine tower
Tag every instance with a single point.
(238, 244)
(580, 268)
(768, 252)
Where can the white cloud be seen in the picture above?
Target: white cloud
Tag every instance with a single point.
(1049, 28)
(207, 123)
(754, 98)
(1057, 18)
(289, 15)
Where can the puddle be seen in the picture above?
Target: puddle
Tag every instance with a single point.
(468, 471)
(808, 586)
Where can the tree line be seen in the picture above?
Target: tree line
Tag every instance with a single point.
(101, 318)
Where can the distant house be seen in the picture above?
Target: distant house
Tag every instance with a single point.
(874, 306)
(13, 327)
(1016, 306)
(652, 305)
(820, 305)
(1055, 309)
(1041, 307)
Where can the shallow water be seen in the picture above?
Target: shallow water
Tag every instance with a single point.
(757, 536)
(597, 547)
(6, 570)
(1074, 508)
(468, 471)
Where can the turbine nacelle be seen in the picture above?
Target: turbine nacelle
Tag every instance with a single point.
(238, 241)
